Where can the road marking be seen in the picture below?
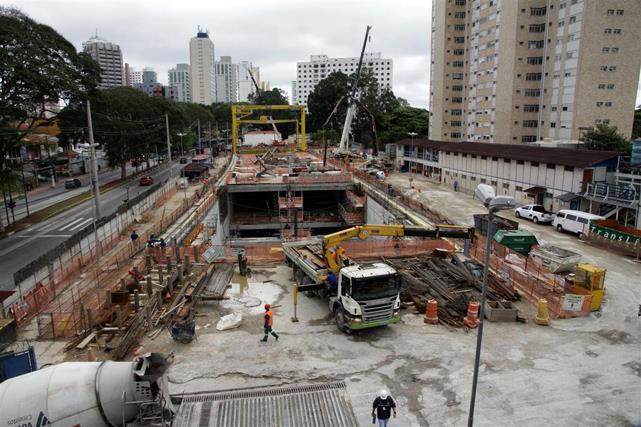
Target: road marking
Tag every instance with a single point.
(81, 224)
(55, 235)
(72, 223)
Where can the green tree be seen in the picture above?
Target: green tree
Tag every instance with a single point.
(636, 126)
(38, 70)
(322, 100)
(276, 96)
(606, 138)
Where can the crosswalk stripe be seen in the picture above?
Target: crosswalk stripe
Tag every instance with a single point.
(81, 224)
(71, 224)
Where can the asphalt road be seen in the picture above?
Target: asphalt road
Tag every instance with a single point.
(59, 193)
(21, 248)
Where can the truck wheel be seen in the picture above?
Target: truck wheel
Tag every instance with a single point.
(517, 214)
(559, 228)
(535, 220)
(341, 324)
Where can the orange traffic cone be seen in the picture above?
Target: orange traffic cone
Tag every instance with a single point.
(472, 318)
(431, 312)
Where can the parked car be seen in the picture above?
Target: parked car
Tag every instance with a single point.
(146, 180)
(183, 160)
(574, 221)
(72, 183)
(536, 213)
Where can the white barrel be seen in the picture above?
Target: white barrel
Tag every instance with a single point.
(72, 393)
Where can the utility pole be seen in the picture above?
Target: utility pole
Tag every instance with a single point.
(209, 134)
(94, 165)
(199, 134)
(168, 144)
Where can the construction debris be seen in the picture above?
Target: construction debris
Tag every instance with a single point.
(452, 282)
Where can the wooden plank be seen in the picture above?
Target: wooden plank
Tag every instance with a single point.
(86, 341)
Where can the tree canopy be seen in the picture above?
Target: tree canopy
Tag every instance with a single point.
(39, 70)
(276, 96)
(606, 138)
(131, 124)
(394, 117)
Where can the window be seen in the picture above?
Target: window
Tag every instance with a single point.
(457, 112)
(457, 100)
(507, 161)
(459, 39)
(506, 185)
(552, 124)
(614, 50)
(532, 92)
(610, 12)
(459, 27)
(530, 123)
(528, 138)
(483, 157)
(457, 88)
(457, 76)
(611, 86)
(533, 76)
(535, 60)
(460, 2)
(535, 44)
(607, 31)
(551, 166)
(568, 168)
(459, 52)
(572, 19)
(603, 68)
(537, 11)
(582, 220)
(519, 162)
(455, 134)
(534, 164)
(456, 123)
(570, 217)
(605, 50)
(619, 12)
(562, 5)
(616, 31)
(459, 15)
(493, 183)
(608, 104)
(458, 64)
(537, 28)
(518, 188)
(612, 68)
(530, 108)
(561, 23)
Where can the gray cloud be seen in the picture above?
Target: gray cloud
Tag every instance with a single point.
(274, 34)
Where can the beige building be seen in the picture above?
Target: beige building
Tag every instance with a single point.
(521, 71)
(202, 70)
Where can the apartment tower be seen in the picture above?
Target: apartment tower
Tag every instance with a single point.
(226, 80)
(521, 71)
(109, 57)
(202, 70)
(179, 78)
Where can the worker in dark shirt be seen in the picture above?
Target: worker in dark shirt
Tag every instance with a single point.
(269, 321)
(382, 407)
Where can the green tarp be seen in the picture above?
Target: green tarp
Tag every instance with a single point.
(518, 240)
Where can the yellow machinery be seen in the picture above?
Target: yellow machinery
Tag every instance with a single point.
(243, 114)
(591, 278)
(333, 252)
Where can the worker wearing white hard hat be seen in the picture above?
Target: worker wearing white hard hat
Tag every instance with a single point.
(382, 408)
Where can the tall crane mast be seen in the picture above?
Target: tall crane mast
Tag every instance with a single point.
(351, 109)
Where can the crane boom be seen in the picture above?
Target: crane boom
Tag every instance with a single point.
(331, 241)
(351, 109)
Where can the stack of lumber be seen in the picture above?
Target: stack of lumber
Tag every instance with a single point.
(452, 282)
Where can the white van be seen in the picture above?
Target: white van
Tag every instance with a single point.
(574, 221)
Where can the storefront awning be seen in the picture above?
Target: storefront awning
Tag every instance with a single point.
(535, 190)
(567, 197)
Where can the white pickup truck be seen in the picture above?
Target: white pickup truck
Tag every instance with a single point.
(536, 213)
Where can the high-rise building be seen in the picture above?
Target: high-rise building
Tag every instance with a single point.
(127, 75)
(202, 71)
(151, 86)
(308, 74)
(521, 71)
(135, 77)
(109, 57)
(245, 84)
(226, 80)
(179, 78)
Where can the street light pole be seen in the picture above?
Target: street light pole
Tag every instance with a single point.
(168, 144)
(94, 172)
(412, 135)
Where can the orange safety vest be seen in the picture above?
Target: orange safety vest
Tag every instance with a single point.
(271, 317)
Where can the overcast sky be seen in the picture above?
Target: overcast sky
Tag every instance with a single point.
(273, 34)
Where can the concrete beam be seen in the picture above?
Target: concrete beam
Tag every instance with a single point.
(321, 186)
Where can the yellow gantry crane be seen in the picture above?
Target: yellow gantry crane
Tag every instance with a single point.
(244, 113)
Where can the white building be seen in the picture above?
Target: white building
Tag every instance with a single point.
(202, 70)
(109, 57)
(557, 178)
(179, 78)
(135, 77)
(226, 80)
(256, 137)
(308, 74)
(245, 84)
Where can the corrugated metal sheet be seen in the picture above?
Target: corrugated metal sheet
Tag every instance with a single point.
(312, 405)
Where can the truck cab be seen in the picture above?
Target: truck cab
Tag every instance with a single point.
(367, 296)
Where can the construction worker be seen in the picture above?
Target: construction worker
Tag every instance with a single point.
(269, 321)
(382, 407)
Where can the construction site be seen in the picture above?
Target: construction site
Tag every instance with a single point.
(286, 285)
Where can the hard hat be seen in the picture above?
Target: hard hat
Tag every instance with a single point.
(383, 394)
(267, 306)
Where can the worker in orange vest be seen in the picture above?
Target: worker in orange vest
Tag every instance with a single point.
(269, 321)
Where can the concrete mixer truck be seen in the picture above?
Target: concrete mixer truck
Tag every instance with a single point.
(88, 394)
